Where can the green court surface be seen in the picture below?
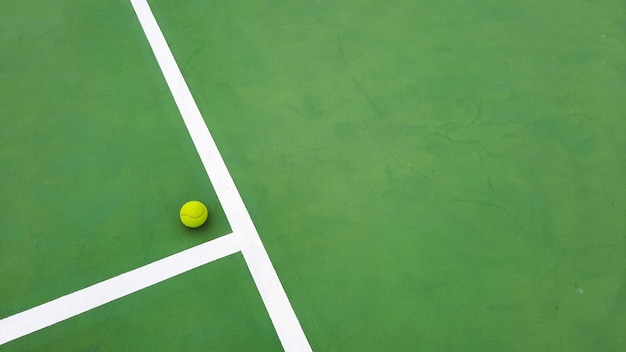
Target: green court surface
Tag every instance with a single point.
(425, 176)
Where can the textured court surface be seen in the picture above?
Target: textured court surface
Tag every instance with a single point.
(425, 176)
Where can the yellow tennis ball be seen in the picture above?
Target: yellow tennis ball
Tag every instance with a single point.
(193, 214)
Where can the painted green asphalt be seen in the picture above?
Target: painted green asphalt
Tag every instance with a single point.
(426, 175)
(96, 161)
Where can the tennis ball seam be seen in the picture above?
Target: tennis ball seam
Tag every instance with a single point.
(194, 217)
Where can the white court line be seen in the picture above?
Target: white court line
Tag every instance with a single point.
(274, 297)
(65, 307)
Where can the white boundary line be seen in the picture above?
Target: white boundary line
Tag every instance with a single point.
(274, 297)
(244, 237)
(65, 307)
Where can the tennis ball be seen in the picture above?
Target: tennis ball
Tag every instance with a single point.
(193, 214)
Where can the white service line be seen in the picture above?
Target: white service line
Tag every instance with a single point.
(271, 290)
(70, 305)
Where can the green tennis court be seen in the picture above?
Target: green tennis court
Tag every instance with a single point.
(425, 176)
